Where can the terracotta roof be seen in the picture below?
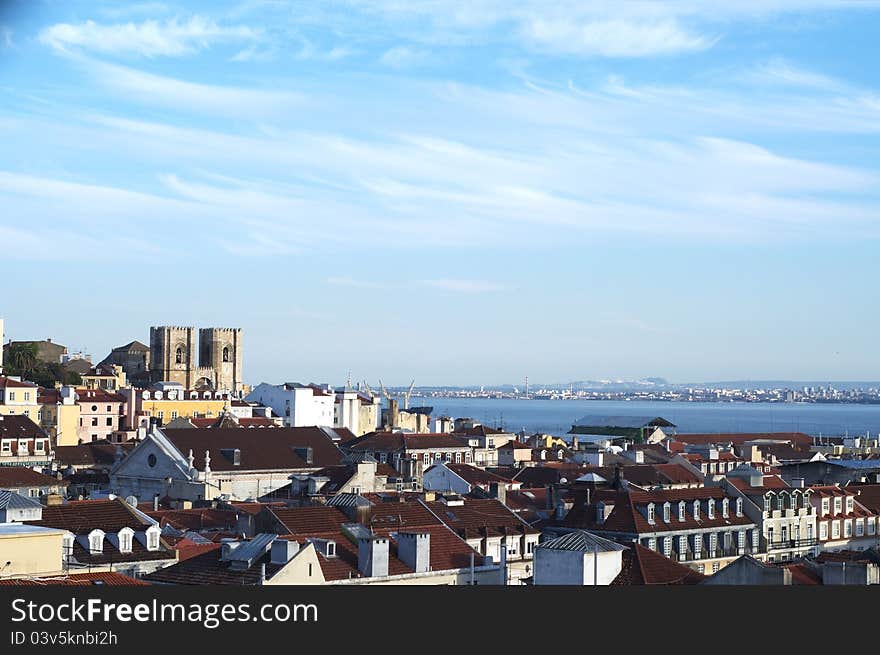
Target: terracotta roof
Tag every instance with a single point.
(260, 449)
(480, 518)
(651, 474)
(401, 441)
(479, 431)
(13, 477)
(473, 475)
(643, 566)
(9, 383)
(195, 519)
(109, 578)
(83, 516)
(93, 454)
(628, 515)
(86, 396)
(868, 495)
(310, 520)
(803, 574)
(19, 426)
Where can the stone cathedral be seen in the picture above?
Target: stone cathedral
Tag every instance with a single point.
(212, 364)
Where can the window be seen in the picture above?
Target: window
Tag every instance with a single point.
(5, 447)
(331, 549)
(667, 546)
(448, 457)
(860, 528)
(178, 355)
(109, 421)
(652, 543)
(467, 457)
(806, 500)
(530, 546)
(152, 539)
(710, 509)
(847, 528)
(27, 396)
(823, 530)
(11, 395)
(426, 458)
(849, 504)
(835, 529)
(226, 354)
(682, 546)
(666, 510)
(741, 539)
(173, 415)
(739, 506)
(780, 502)
(40, 446)
(766, 503)
(809, 532)
(698, 545)
(681, 511)
(125, 538)
(715, 567)
(725, 508)
(769, 535)
(825, 506)
(871, 527)
(651, 513)
(713, 542)
(458, 458)
(701, 568)
(783, 533)
(96, 542)
(838, 506)
(696, 510)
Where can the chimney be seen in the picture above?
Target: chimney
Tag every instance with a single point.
(156, 503)
(498, 490)
(283, 551)
(414, 550)
(373, 556)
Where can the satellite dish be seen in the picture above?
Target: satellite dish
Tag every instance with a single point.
(563, 480)
(132, 501)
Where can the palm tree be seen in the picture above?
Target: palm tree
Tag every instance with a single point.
(22, 358)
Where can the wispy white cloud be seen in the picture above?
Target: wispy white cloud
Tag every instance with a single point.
(150, 38)
(613, 38)
(401, 57)
(782, 73)
(462, 286)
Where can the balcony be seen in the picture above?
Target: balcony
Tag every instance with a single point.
(789, 544)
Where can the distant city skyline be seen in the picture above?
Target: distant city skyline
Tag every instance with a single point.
(457, 193)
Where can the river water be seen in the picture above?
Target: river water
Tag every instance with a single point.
(557, 416)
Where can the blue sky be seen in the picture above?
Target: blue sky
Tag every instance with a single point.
(456, 192)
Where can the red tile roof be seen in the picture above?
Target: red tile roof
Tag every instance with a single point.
(643, 566)
(18, 426)
(9, 383)
(83, 516)
(14, 477)
(275, 449)
(109, 578)
(480, 518)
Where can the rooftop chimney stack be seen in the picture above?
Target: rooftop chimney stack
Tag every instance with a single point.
(373, 556)
(414, 550)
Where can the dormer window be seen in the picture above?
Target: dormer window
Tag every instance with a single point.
(838, 505)
(696, 510)
(780, 502)
(825, 506)
(806, 500)
(651, 513)
(710, 509)
(739, 506)
(331, 549)
(681, 511)
(666, 512)
(153, 538)
(126, 536)
(96, 542)
(849, 504)
(67, 546)
(725, 508)
(766, 503)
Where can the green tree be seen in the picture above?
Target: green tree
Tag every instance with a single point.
(21, 359)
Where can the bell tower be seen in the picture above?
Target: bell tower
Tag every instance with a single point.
(220, 350)
(173, 354)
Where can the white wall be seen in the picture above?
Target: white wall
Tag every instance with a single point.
(574, 567)
(298, 407)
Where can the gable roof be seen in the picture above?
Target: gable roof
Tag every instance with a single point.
(582, 541)
(471, 474)
(479, 517)
(82, 516)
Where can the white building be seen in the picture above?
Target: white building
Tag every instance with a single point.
(299, 405)
(578, 558)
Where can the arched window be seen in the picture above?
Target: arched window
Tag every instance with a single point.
(178, 356)
(681, 511)
(96, 542)
(739, 506)
(710, 510)
(226, 354)
(725, 507)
